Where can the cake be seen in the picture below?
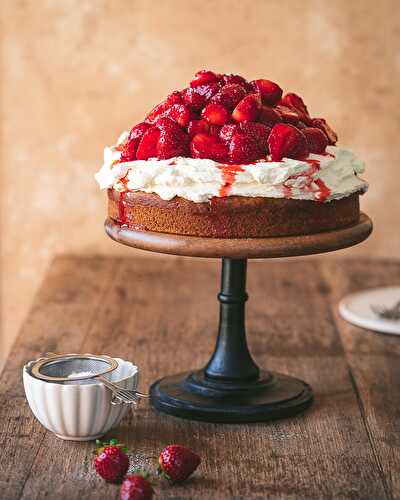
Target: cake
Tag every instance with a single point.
(229, 158)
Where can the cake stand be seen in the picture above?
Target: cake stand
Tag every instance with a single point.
(232, 388)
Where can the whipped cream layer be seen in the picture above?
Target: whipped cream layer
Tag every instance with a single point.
(319, 177)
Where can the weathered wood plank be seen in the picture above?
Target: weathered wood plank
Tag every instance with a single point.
(374, 361)
(163, 315)
(61, 316)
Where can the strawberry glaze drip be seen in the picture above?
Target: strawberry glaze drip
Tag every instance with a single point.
(122, 217)
(229, 173)
(321, 193)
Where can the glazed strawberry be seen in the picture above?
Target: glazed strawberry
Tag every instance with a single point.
(111, 462)
(292, 100)
(177, 463)
(229, 78)
(148, 145)
(198, 127)
(197, 97)
(179, 113)
(330, 134)
(227, 131)
(244, 148)
(287, 115)
(229, 95)
(136, 487)
(214, 130)
(258, 131)
(270, 92)
(286, 141)
(215, 114)
(269, 116)
(209, 146)
(248, 108)
(130, 147)
(316, 139)
(174, 98)
(173, 141)
(203, 77)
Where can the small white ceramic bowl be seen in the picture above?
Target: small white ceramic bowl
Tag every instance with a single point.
(79, 412)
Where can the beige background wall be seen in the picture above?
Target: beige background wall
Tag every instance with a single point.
(74, 73)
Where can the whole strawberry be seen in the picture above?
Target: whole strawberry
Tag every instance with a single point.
(177, 462)
(136, 487)
(111, 462)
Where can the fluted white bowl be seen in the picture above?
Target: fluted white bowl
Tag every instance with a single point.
(79, 412)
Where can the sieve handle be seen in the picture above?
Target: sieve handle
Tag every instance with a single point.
(125, 395)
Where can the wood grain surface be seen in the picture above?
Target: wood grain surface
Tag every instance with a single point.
(162, 314)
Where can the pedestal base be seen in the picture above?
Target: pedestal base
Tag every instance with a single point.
(196, 397)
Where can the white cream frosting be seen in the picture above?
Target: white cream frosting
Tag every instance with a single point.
(199, 180)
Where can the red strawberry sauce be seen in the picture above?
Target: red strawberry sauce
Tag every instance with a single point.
(122, 218)
(320, 194)
(229, 173)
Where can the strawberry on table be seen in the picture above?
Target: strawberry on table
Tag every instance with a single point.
(177, 463)
(112, 461)
(136, 487)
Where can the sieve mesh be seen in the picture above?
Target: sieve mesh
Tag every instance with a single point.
(66, 368)
(70, 367)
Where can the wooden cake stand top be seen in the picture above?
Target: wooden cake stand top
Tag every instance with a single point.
(241, 248)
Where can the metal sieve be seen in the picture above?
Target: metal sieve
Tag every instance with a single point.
(71, 367)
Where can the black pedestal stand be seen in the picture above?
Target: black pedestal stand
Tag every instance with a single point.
(231, 388)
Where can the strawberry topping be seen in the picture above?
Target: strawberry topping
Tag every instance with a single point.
(216, 114)
(228, 79)
(258, 131)
(198, 127)
(286, 141)
(130, 147)
(198, 97)
(227, 131)
(179, 113)
(225, 118)
(203, 77)
(173, 141)
(330, 134)
(229, 95)
(209, 146)
(292, 100)
(248, 108)
(270, 92)
(245, 148)
(269, 116)
(316, 139)
(148, 145)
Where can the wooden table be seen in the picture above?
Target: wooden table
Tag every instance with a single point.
(345, 446)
